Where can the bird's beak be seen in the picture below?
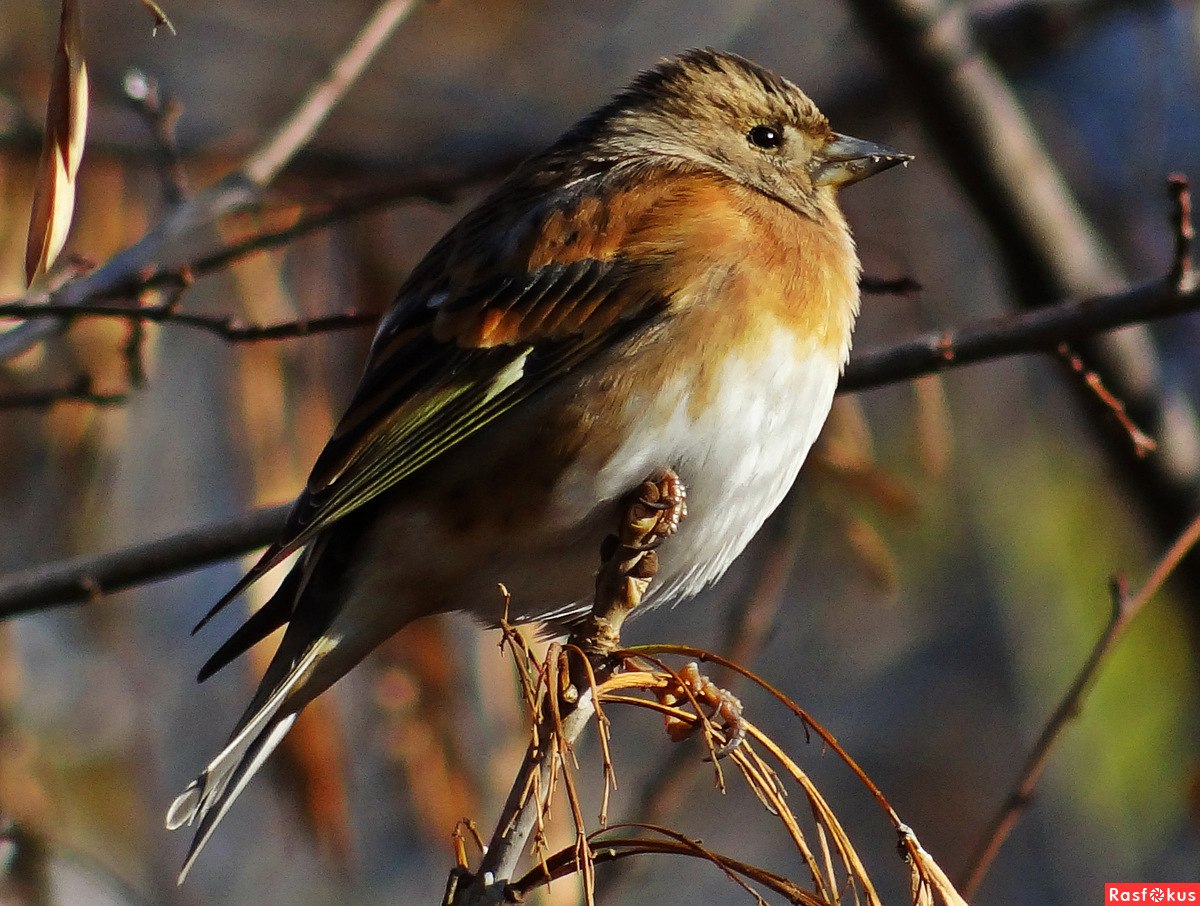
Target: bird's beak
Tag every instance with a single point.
(845, 160)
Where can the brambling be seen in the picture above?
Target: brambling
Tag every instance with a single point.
(670, 285)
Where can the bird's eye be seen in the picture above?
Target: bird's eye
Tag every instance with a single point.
(765, 136)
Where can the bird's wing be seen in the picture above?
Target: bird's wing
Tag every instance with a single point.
(496, 312)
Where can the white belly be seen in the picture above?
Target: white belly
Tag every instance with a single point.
(737, 456)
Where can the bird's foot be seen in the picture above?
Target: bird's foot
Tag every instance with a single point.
(650, 514)
(653, 512)
(696, 688)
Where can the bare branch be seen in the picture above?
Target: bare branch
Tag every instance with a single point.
(434, 189)
(80, 391)
(1124, 609)
(223, 326)
(89, 577)
(1048, 247)
(264, 165)
(235, 192)
(1039, 330)
(161, 115)
(888, 286)
(1143, 444)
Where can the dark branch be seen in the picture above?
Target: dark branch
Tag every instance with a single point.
(86, 578)
(889, 286)
(223, 326)
(1038, 330)
(161, 115)
(80, 391)
(1125, 607)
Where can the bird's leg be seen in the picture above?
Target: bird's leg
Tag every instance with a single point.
(650, 514)
(694, 686)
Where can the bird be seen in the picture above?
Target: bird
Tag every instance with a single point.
(669, 285)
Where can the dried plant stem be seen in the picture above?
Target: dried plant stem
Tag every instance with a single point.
(522, 812)
(1124, 609)
(568, 697)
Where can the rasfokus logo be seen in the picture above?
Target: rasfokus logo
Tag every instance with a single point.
(1152, 893)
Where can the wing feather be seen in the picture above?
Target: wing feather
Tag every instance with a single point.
(394, 428)
(491, 316)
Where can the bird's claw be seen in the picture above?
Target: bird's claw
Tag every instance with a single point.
(655, 510)
(695, 686)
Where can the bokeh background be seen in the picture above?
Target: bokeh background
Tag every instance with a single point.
(942, 566)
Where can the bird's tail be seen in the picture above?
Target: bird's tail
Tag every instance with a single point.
(210, 795)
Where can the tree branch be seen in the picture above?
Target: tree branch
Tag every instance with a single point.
(1048, 247)
(1038, 330)
(90, 577)
(235, 192)
(223, 326)
(1124, 609)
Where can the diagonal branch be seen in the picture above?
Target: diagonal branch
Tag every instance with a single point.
(90, 577)
(1125, 608)
(235, 192)
(1037, 330)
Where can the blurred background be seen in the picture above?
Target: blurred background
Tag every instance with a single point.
(928, 592)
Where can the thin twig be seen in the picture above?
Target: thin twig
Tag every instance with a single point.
(1124, 609)
(264, 165)
(1143, 444)
(435, 189)
(161, 115)
(223, 326)
(888, 286)
(235, 192)
(79, 391)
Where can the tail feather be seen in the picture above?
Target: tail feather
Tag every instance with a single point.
(261, 623)
(210, 795)
(212, 804)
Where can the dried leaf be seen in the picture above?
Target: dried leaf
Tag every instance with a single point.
(160, 17)
(62, 149)
(935, 436)
(873, 554)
